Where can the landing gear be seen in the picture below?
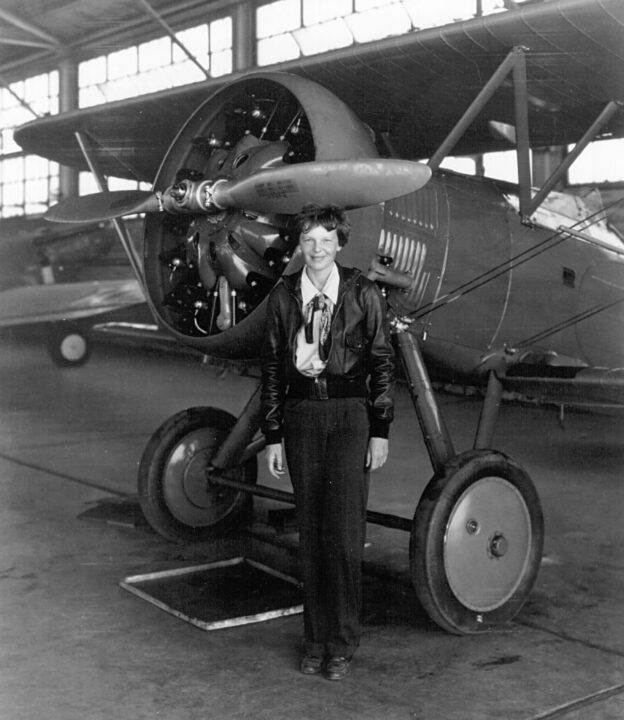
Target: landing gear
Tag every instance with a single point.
(68, 345)
(478, 531)
(477, 535)
(174, 491)
(476, 542)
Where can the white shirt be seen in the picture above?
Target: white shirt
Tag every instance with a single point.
(307, 358)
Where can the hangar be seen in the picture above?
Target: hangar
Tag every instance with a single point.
(510, 285)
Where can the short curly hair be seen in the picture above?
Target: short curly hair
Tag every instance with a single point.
(331, 217)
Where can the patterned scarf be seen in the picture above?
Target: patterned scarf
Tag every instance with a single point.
(318, 302)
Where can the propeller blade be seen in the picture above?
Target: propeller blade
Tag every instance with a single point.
(103, 206)
(347, 183)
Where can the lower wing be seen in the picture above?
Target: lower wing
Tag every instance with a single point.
(71, 301)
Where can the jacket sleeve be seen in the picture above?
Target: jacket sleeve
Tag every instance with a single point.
(380, 360)
(273, 392)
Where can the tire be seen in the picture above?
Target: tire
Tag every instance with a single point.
(173, 488)
(476, 542)
(68, 345)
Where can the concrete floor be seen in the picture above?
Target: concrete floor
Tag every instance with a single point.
(73, 645)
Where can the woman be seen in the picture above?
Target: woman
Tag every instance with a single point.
(327, 375)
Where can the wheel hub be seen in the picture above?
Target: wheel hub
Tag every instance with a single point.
(190, 498)
(487, 544)
(498, 545)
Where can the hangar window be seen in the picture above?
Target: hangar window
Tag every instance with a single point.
(88, 185)
(26, 182)
(157, 64)
(287, 29)
(600, 162)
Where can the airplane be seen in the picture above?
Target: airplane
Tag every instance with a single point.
(507, 287)
(48, 286)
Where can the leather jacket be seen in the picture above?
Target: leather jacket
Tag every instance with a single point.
(360, 348)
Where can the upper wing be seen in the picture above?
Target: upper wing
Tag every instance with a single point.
(71, 301)
(413, 87)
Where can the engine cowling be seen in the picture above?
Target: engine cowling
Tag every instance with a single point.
(207, 275)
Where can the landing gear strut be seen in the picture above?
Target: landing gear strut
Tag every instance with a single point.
(478, 531)
(476, 537)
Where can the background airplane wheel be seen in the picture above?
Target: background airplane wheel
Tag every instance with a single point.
(476, 542)
(173, 488)
(68, 345)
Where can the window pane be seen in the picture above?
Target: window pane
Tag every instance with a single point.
(221, 63)
(92, 72)
(379, 23)
(424, 13)
(122, 63)
(35, 88)
(152, 81)
(187, 72)
(35, 167)
(122, 88)
(17, 90)
(154, 54)
(13, 195)
(121, 184)
(86, 184)
(361, 5)
(601, 161)
(316, 11)
(8, 144)
(90, 96)
(275, 49)
(464, 165)
(501, 165)
(221, 34)
(195, 40)
(491, 6)
(278, 17)
(37, 191)
(323, 37)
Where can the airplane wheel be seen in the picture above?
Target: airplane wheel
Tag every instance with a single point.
(476, 542)
(173, 488)
(68, 345)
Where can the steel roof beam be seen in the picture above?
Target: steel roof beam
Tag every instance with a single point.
(31, 29)
(173, 37)
(23, 42)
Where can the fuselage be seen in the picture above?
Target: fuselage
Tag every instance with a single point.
(484, 283)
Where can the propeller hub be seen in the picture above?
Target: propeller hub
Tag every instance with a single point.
(178, 192)
(194, 196)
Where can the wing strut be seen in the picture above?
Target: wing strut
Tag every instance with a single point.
(477, 105)
(120, 228)
(609, 111)
(515, 63)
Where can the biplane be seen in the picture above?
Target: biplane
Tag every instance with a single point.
(501, 286)
(50, 285)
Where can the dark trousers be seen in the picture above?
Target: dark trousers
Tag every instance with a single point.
(326, 442)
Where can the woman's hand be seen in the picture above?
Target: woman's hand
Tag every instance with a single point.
(377, 453)
(274, 459)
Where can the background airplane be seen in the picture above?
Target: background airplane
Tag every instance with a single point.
(497, 285)
(56, 281)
